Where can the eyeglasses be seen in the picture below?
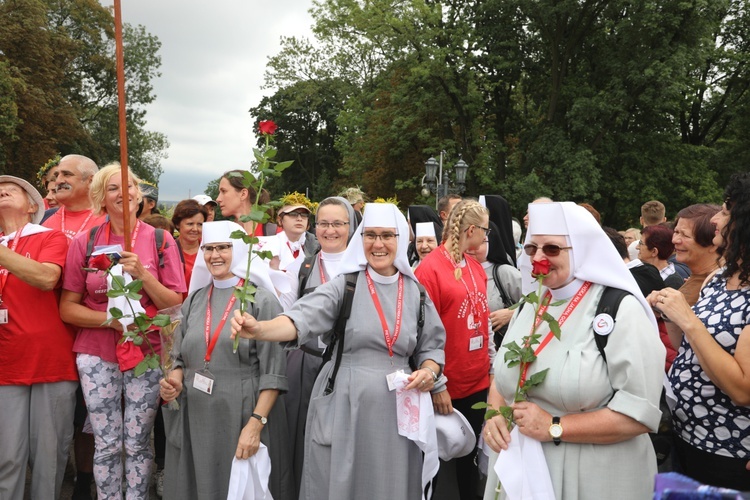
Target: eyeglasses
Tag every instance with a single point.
(221, 248)
(297, 215)
(387, 237)
(338, 224)
(485, 229)
(548, 250)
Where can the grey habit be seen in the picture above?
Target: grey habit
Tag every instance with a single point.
(202, 436)
(352, 446)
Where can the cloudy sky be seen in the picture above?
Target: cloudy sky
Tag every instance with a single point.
(214, 56)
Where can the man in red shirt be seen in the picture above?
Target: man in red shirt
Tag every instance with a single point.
(72, 193)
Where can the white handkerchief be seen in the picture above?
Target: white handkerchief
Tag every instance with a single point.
(416, 421)
(249, 478)
(522, 469)
(122, 302)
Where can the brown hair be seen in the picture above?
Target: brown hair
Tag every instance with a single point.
(700, 214)
(653, 212)
(235, 177)
(186, 209)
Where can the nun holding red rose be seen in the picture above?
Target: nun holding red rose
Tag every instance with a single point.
(591, 415)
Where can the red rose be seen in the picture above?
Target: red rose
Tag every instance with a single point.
(128, 355)
(101, 262)
(267, 127)
(540, 267)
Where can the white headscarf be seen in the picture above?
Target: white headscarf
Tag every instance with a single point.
(593, 256)
(378, 215)
(220, 232)
(425, 229)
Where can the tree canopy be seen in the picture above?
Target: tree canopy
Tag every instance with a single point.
(610, 102)
(58, 87)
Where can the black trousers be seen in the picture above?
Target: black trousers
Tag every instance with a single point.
(712, 469)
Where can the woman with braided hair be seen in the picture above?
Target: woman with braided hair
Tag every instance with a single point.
(458, 287)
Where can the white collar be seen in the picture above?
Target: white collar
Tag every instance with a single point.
(486, 264)
(383, 280)
(566, 291)
(332, 257)
(227, 283)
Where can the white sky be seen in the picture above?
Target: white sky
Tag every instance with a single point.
(214, 55)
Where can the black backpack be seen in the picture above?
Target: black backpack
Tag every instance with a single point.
(340, 327)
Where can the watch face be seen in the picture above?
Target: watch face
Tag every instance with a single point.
(264, 421)
(555, 430)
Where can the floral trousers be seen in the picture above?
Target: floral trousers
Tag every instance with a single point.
(106, 389)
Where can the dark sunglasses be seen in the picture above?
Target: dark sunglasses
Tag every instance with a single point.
(548, 250)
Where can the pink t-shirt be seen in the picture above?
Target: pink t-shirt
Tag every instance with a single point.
(103, 341)
(73, 223)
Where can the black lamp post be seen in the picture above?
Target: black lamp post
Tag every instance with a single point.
(438, 182)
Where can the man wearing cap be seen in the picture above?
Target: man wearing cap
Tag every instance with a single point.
(150, 199)
(209, 203)
(75, 215)
(38, 376)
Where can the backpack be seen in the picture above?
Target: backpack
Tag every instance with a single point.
(609, 303)
(159, 239)
(340, 327)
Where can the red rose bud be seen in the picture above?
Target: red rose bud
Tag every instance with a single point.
(540, 267)
(100, 262)
(267, 127)
(128, 355)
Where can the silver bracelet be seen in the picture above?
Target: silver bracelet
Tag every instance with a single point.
(434, 375)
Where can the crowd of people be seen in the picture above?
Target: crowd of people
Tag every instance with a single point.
(370, 333)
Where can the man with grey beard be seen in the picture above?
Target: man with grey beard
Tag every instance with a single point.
(72, 192)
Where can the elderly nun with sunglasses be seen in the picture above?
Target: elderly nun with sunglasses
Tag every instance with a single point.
(355, 440)
(591, 414)
(228, 401)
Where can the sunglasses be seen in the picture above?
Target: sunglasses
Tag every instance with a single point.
(548, 250)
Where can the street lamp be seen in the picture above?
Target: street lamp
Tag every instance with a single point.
(438, 182)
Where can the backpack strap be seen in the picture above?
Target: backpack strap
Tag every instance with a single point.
(609, 303)
(496, 278)
(90, 244)
(161, 244)
(304, 273)
(338, 330)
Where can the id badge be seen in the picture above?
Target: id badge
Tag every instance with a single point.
(476, 343)
(390, 379)
(204, 381)
(3, 315)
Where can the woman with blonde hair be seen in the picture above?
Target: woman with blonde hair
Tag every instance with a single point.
(458, 287)
(107, 386)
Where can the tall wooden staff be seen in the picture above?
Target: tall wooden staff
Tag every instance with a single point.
(119, 55)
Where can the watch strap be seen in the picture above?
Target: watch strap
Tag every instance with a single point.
(556, 421)
(262, 419)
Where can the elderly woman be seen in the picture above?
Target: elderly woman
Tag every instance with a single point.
(334, 227)
(188, 218)
(239, 408)
(38, 378)
(352, 444)
(655, 247)
(594, 409)
(709, 376)
(106, 388)
(425, 225)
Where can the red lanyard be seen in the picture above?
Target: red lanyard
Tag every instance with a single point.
(62, 223)
(563, 318)
(4, 272)
(389, 341)
(472, 298)
(320, 266)
(211, 341)
(108, 232)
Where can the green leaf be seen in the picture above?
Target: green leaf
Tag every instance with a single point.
(115, 312)
(161, 320)
(264, 254)
(271, 153)
(480, 406)
(281, 166)
(532, 298)
(515, 306)
(133, 296)
(141, 367)
(528, 356)
(513, 363)
(248, 179)
(134, 286)
(153, 362)
(558, 303)
(137, 340)
(118, 283)
(257, 215)
(535, 379)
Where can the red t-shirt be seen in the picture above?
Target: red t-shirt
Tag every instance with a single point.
(36, 347)
(467, 364)
(103, 341)
(75, 222)
(189, 264)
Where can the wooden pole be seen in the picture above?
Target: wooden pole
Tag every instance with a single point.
(125, 178)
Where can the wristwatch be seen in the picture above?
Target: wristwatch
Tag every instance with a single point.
(556, 430)
(263, 420)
